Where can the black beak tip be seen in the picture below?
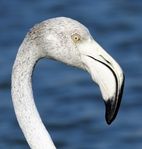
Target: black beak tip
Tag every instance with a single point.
(109, 115)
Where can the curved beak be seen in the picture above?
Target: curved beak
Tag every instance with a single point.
(105, 71)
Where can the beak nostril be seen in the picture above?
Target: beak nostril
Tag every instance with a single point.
(106, 60)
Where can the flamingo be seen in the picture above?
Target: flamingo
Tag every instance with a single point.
(66, 40)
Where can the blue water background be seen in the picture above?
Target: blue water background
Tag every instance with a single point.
(69, 103)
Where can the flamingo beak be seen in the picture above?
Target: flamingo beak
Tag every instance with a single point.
(105, 71)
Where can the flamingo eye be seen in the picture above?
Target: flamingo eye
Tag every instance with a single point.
(76, 37)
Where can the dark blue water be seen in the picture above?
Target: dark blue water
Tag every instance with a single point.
(70, 104)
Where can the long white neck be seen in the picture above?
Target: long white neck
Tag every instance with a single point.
(22, 96)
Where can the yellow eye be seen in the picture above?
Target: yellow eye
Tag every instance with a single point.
(76, 37)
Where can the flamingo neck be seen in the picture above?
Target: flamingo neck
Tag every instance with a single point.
(22, 96)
